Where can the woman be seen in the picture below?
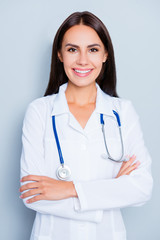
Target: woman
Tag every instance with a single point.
(68, 168)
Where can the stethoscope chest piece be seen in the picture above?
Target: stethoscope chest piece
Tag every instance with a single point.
(63, 172)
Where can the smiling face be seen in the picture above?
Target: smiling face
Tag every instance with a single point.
(82, 54)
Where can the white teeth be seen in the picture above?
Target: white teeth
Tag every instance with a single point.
(79, 71)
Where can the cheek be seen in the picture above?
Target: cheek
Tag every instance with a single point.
(68, 60)
(98, 65)
(97, 60)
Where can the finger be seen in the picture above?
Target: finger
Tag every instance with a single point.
(128, 163)
(31, 178)
(29, 186)
(131, 171)
(35, 199)
(31, 193)
(128, 170)
(137, 164)
(130, 159)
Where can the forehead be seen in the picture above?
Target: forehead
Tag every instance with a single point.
(81, 35)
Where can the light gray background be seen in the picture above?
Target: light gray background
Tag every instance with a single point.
(27, 29)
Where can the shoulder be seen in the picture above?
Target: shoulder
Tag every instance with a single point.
(40, 106)
(43, 102)
(124, 107)
(121, 104)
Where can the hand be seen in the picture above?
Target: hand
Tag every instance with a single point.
(128, 167)
(46, 188)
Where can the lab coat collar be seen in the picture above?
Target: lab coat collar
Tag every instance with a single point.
(103, 102)
(60, 105)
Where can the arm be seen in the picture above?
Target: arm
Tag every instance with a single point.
(127, 190)
(33, 163)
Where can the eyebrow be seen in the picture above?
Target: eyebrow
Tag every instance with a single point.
(76, 46)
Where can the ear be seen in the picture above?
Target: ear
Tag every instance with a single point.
(60, 56)
(105, 57)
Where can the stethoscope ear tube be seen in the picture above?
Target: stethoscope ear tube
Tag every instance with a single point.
(120, 133)
(117, 117)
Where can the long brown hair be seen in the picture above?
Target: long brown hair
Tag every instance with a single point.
(107, 76)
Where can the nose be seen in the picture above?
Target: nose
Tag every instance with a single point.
(82, 59)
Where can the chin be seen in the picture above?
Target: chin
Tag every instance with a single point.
(82, 83)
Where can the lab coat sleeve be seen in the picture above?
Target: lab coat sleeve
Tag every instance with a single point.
(128, 190)
(33, 162)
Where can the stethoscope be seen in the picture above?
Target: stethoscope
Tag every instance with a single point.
(63, 172)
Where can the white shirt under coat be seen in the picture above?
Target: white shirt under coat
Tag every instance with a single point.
(95, 214)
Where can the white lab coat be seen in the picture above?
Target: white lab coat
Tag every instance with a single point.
(95, 214)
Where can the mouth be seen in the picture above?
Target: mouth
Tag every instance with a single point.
(82, 72)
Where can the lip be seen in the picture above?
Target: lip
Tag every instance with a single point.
(83, 69)
(83, 73)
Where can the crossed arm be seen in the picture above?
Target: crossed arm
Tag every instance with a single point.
(46, 188)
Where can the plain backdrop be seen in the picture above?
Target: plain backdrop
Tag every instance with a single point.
(27, 29)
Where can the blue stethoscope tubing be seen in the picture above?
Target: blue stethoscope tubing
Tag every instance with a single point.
(57, 141)
(63, 172)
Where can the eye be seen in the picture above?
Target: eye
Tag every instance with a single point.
(93, 50)
(72, 49)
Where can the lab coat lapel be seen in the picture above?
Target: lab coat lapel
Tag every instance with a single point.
(60, 106)
(104, 103)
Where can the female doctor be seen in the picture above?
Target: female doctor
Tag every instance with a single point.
(83, 155)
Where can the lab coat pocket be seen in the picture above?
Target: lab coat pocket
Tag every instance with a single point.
(115, 150)
(43, 226)
(102, 166)
(71, 155)
(52, 157)
(114, 146)
(112, 139)
(109, 138)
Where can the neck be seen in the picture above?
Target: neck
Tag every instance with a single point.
(81, 96)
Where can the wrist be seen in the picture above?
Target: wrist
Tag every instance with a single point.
(72, 191)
